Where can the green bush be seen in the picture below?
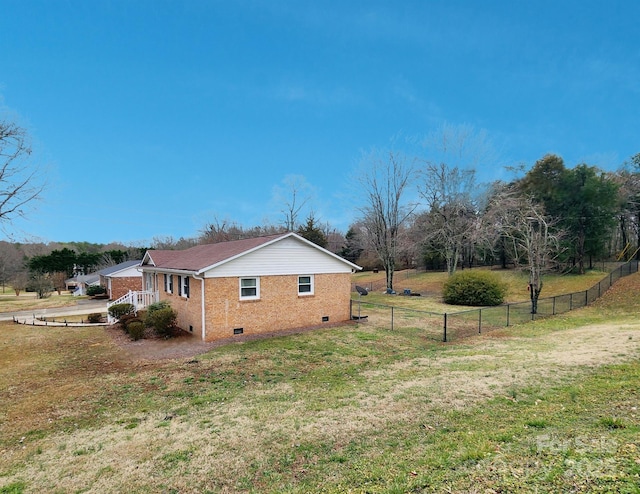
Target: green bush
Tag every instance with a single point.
(128, 319)
(162, 319)
(119, 310)
(478, 288)
(163, 304)
(135, 329)
(95, 317)
(96, 290)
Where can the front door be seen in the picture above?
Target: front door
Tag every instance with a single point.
(148, 282)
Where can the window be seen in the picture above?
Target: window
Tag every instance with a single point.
(168, 283)
(249, 288)
(305, 285)
(184, 286)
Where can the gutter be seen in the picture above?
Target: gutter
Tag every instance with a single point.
(186, 272)
(202, 306)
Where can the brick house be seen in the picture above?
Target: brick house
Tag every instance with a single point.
(251, 286)
(121, 278)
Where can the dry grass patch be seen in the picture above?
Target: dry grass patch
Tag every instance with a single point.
(355, 408)
(264, 414)
(9, 302)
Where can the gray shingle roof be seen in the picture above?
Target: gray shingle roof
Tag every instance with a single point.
(119, 267)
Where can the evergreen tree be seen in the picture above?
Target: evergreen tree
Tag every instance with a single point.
(352, 247)
(312, 232)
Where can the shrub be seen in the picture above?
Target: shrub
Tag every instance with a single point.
(119, 310)
(128, 319)
(162, 319)
(480, 288)
(162, 304)
(96, 290)
(95, 317)
(136, 330)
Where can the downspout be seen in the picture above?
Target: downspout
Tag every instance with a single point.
(202, 306)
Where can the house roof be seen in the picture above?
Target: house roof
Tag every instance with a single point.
(87, 279)
(203, 257)
(119, 267)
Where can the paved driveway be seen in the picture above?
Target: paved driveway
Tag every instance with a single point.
(84, 306)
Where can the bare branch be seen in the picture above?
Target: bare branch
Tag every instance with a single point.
(20, 183)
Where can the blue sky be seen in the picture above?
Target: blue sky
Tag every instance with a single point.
(154, 118)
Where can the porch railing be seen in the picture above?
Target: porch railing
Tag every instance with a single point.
(139, 300)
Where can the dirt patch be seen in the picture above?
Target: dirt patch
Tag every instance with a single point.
(152, 347)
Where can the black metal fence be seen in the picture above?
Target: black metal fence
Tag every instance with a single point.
(456, 325)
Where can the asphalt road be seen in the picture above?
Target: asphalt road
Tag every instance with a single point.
(85, 306)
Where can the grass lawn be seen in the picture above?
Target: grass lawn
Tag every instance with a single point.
(429, 286)
(551, 406)
(9, 302)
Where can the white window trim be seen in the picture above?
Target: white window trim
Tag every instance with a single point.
(184, 280)
(257, 287)
(168, 283)
(311, 283)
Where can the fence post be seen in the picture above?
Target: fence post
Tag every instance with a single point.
(444, 339)
(571, 301)
(479, 321)
(392, 318)
(586, 298)
(508, 307)
(553, 307)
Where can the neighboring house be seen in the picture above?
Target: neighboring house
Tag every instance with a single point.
(79, 284)
(118, 280)
(251, 286)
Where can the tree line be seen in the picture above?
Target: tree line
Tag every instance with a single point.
(550, 217)
(42, 268)
(416, 211)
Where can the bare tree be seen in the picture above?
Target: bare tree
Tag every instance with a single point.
(223, 231)
(20, 182)
(335, 239)
(385, 183)
(11, 262)
(529, 233)
(58, 280)
(294, 195)
(451, 191)
(452, 210)
(20, 281)
(628, 180)
(42, 284)
(220, 231)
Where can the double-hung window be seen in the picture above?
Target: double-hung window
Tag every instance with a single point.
(305, 285)
(168, 283)
(249, 288)
(184, 286)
